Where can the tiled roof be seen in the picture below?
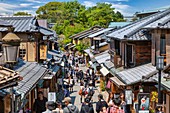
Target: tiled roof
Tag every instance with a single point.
(100, 32)
(25, 24)
(134, 75)
(31, 72)
(102, 57)
(86, 33)
(163, 22)
(125, 33)
(4, 24)
(21, 23)
(8, 77)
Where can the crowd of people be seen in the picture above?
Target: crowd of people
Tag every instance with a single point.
(86, 81)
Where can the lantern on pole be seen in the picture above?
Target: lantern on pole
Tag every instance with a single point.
(10, 44)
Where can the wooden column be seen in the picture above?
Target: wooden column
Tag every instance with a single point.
(30, 100)
(153, 48)
(157, 37)
(123, 52)
(167, 104)
(167, 49)
(7, 104)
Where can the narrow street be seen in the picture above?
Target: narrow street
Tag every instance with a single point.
(76, 97)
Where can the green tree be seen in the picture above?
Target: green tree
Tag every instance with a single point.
(22, 14)
(72, 17)
(84, 44)
(102, 14)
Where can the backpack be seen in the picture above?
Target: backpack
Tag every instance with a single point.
(70, 110)
(87, 108)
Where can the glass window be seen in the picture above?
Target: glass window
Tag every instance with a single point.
(162, 45)
(117, 47)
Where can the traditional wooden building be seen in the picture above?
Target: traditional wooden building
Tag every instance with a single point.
(77, 38)
(8, 80)
(33, 37)
(135, 46)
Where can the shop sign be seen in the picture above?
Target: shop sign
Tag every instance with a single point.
(143, 101)
(52, 96)
(128, 97)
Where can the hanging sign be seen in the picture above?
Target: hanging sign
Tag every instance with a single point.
(143, 101)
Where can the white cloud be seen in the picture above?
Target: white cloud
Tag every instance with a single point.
(88, 3)
(126, 10)
(7, 8)
(35, 1)
(25, 5)
(36, 7)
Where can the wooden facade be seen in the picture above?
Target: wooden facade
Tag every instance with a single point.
(130, 53)
(161, 45)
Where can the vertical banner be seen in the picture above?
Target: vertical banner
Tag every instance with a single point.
(52, 96)
(143, 101)
(43, 52)
(128, 97)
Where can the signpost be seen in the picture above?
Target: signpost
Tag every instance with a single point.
(52, 96)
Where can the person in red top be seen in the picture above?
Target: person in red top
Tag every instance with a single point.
(116, 107)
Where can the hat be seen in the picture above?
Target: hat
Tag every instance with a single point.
(50, 105)
(67, 99)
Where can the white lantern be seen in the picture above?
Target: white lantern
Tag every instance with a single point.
(11, 43)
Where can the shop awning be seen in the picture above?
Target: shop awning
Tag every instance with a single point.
(104, 71)
(117, 81)
(32, 73)
(102, 57)
(135, 75)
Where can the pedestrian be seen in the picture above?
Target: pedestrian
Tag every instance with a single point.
(116, 108)
(58, 108)
(73, 61)
(71, 84)
(124, 106)
(40, 103)
(50, 106)
(110, 99)
(93, 79)
(159, 109)
(100, 104)
(70, 108)
(87, 107)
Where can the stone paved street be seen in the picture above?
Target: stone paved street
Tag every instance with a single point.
(76, 97)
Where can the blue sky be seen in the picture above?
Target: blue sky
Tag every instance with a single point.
(126, 7)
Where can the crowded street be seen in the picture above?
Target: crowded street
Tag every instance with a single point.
(79, 56)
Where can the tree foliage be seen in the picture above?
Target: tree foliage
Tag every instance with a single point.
(72, 17)
(22, 14)
(84, 44)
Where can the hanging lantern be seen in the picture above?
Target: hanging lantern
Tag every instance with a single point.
(11, 43)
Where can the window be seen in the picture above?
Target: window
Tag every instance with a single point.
(163, 45)
(96, 45)
(117, 47)
(22, 53)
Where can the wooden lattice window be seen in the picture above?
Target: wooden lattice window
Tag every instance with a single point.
(22, 53)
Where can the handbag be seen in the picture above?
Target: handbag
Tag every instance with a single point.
(80, 92)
